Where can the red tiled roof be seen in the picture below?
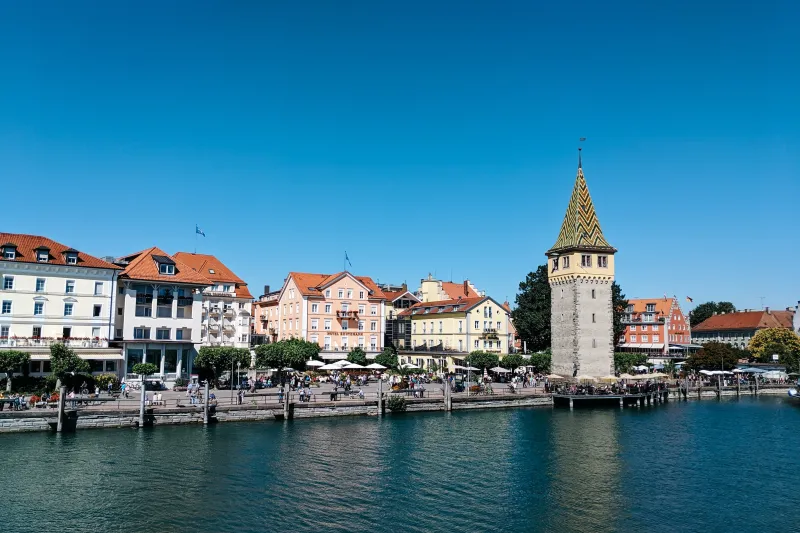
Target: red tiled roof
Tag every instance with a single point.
(142, 266)
(205, 264)
(314, 284)
(394, 295)
(243, 292)
(747, 320)
(27, 245)
(443, 306)
(663, 305)
(454, 290)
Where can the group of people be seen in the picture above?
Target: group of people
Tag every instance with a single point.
(17, 404)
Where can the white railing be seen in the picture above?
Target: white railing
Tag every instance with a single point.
(72, 343)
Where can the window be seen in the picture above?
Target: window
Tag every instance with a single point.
(360, 325)
(633, 327)
(645, 338)
(121, 290)
(315, 308)
(39, 285)
(95, 333)
(633, 338)
(361, 342)
(562, 294)
(37, 332)
(360, 295)
(297, 308)
(178, 334)
(141, 333)
(655, 327)
(586, 260)
(555, 265)
(345, 325)
(8, 283)
(38, 308)
(314, 323)
(328, 308)
(70, 287)
(327, 343)
(373, 326)
(341, 294)
(162, 334)
(97, 310)
(440, 326)
(414, 328)
(166, 269)
(314, 339)
(349, 294)
(98, 288)
(594, 343)
(476, 344)
(656, 338)
(68, 309)
(498, 325)
(241, 304)
(477, 325)
(9, 253)
(424, 328)
(644, 327)
(373, 310)
(4, 331)
(327, 325)
(593, 320)
(345, 307)
(602, 261)
(651, 308)
(565, 261)
(290, 323)
(6, 307)
(328, 293)
(373, 343)
(362, 309)
(594, 295)
(460, 345)
(291, 293)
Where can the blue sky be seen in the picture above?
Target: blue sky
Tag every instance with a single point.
(418, 136)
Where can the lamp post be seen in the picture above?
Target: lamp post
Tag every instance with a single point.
(230, 382)
(238, 376)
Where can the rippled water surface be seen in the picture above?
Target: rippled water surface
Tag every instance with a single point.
(700, 466)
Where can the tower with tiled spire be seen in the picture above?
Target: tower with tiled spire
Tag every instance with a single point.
(580, 270)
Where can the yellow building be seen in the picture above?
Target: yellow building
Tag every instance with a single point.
(446, 331)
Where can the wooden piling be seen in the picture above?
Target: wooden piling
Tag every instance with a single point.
(205, 404)
(60, 423)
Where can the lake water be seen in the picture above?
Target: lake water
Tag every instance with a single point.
(708, 466)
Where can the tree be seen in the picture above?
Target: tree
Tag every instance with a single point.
(706, 310)
(358, 356)
(64, 361)
(291, 353)
(713, 356)
(541, 361)
(618, 306)
(776, 341)
(625, 361)
(214, 360)
(532, 315)
(387, 358)
(145, 369)
(512, 361)
(433, 367)
(13, 361)
(481, 359)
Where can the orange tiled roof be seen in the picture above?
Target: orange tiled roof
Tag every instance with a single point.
(243, 292)
(142, 266)
(394, 295)
(747, 320)
(663, 305)
(205, 264)
(444, 306)
(27, 245)
(313, 284)
(454, 290)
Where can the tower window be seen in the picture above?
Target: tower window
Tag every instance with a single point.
(593, 318)
(586, 260)
(555, 264)
(565, 261)
(594, 343)
(602, 261)
(562, 294)
(594, 296)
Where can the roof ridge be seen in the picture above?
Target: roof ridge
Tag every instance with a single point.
(581, 227)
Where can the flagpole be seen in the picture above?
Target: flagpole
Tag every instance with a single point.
(195, 238)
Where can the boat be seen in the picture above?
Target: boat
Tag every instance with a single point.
(794, 394)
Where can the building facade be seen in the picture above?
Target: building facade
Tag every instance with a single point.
(739, 327)
(52, 293)
(434, 290)
(580, 273)
(159, 313)
(337, 311)
(655, 326)
(398, 327)
(227, 304)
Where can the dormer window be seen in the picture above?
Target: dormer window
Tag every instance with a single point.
(9, 252)
(42, 257)
(651, 308)
(71, 256)
(166, 269)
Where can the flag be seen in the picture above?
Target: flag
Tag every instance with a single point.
(689, 299)
(198, 230)
(347, 259)
(583, 138)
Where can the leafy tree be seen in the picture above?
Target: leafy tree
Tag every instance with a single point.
(713, 356)
(387, 358)
(783, 342)
(433, 367)
(291, 353)
(481, 359)
(358, 356)
(532, 315)
(625, 361)
(13, 361)
(541, 361)
(145, 369)
(706, 310)
(64, 361)
(512, 361)
(618, 305)
(211, 361)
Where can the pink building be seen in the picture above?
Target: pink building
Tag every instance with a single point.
(337, 311)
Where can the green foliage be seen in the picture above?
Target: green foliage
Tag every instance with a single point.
(287, 353)
(713, 356)
(387, 358)
(396, 403)
(541, 361)
(212, 361)
(13, 361)
(625, 361)
(180, 382)
(433, 367)
(783, 342)
(706, 310)
(481, 359)
(64, 362)
(357, 356)
(512, 361)
(532, 315)
(145, 369)
(103, 380)
(618, 305)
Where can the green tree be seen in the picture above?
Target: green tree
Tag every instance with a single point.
(625, 361)
(532, 314)
(387, 358)
(358, 356)
(706, 310)
(481, 359)
(433, 367)
(291, 353)
(211, 361)
(776, 341)
(541, 361)
(145, 369)
(713, 356)
(13, 361)
(618, 305)
(512, 361)
(64, 361)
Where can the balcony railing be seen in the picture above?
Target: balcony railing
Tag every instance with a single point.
(143, 299)
(33, 342)
(214, 311)
(184, 301)
(165, 300)
(219, 294)
(347, 315)
(229, 311)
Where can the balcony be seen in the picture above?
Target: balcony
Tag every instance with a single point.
(219, 294)
(184, 301)
(264, 318)
(229, 311)
(165, 300)
(73, 342)
(489, 333)
(144, 299)
(273, 331)
(214, 311)
(347, 315)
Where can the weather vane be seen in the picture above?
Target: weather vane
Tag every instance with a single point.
(579, 150)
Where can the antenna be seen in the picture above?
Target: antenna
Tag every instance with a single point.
(579, 150)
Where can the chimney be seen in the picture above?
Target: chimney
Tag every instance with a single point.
(266, 289)
(466, 287)
(405, 287)
(767, 310)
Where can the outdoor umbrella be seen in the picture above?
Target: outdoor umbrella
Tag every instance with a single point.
(376, 366)
(554, 376)
(330, 367)
(353, 366)
(586, 378)
(609, 378)
(314, 362)
(471, 368)
(625, 376)
(408, 365)
(500, 370)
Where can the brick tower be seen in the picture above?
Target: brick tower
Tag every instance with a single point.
(580, 270)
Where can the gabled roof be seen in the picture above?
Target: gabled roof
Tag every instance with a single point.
(454, 290)
(663, 305)
(443, 306)
(143, 266)
(314, 284)
(581, 228)
(391, 296)
(746, 320)
(27, 245)
(215, 270)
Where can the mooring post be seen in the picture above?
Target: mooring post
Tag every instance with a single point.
(738, 386)
(141, 404)
(621, 403)
(60, 422)
(205, 404)
(380, 397)
(756, 385)
(448, 396)
(287, 412)
(570, 404)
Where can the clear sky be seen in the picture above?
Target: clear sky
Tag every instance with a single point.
(418, 136)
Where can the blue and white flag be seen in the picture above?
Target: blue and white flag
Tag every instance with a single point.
(198, 230)
(348, 260)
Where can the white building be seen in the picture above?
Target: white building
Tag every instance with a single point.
(159, 313)
(227, 304)
(52, 293)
